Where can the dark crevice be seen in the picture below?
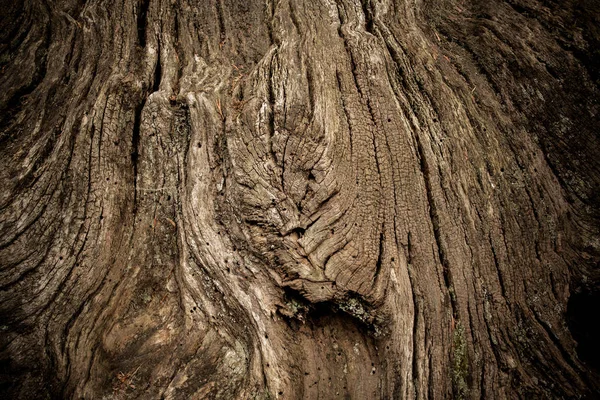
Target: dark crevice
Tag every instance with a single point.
(157, 72)
(416, 354)
(142, 21)
(379, 257)
(311, 88)
(352, 306)
(135, 142)
(256, 221)
(584, 324)
(368, 12)
(409, 248)
(298, 230)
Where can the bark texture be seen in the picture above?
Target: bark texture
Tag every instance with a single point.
(299, 199)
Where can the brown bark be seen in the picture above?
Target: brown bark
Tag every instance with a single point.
(299, 199)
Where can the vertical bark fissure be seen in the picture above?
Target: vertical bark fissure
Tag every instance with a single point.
(379, 261)
(156, 80)
(434, 217)
(338, 78)
(135, 142)
(142, 21)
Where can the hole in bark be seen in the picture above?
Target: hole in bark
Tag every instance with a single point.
(585, 326)
(297, 232)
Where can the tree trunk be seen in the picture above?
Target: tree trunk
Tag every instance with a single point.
(299, 199)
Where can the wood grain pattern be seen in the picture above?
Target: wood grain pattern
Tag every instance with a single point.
(298, 199)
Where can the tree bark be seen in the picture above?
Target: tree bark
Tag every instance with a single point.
(299, 199)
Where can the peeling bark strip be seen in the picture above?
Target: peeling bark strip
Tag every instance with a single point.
(299, 199)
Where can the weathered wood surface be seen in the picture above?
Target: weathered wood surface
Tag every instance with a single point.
(298, 199)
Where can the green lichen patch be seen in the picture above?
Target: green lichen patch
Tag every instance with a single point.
(460, 363)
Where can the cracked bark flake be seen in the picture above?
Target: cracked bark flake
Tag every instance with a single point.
(299, 199)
